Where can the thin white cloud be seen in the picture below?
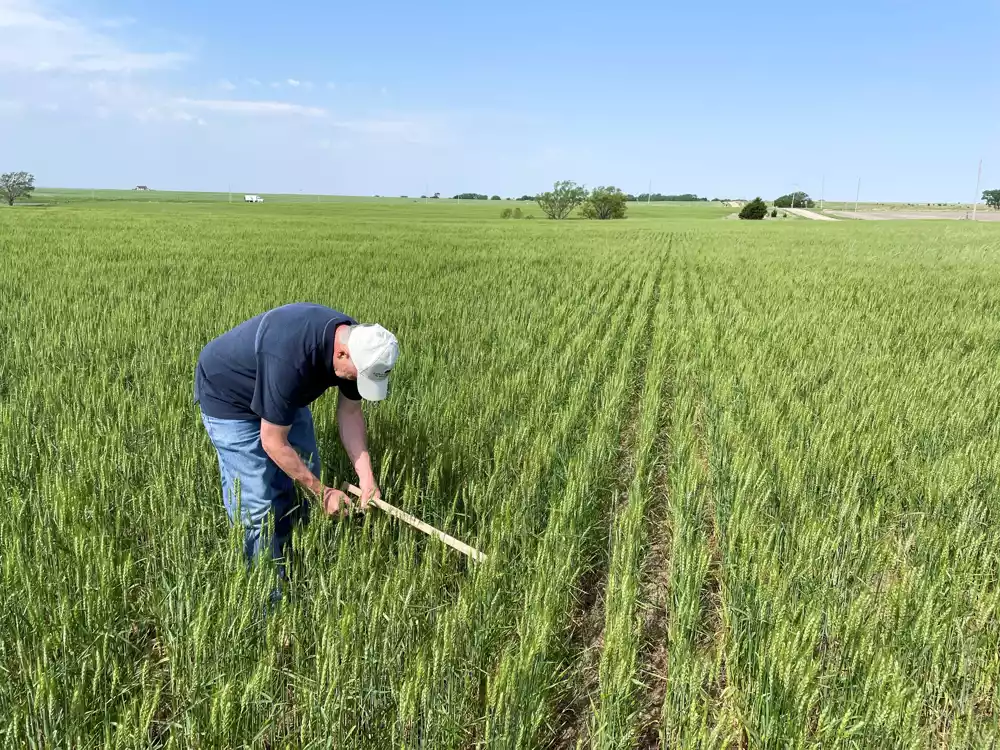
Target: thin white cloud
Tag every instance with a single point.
(227, 85)
(36, 37)
(188, 117)
(253, 82)
(250, 107)
(293, 83)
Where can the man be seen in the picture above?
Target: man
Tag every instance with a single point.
(255, 383)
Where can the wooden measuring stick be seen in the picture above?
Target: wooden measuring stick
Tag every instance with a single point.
(416, 523)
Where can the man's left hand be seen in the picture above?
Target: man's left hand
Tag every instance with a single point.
(369, 491)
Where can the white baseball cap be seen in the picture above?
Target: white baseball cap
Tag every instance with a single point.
(374, 352)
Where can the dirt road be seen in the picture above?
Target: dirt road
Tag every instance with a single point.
(981, 215)
(807, 214)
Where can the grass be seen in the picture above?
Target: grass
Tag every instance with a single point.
(737, 483)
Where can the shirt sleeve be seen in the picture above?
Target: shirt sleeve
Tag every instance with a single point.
(349, 388)
(273, 391)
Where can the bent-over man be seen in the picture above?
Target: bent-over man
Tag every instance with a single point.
(254, 384)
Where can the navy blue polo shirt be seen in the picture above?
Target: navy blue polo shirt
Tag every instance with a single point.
(272, 365)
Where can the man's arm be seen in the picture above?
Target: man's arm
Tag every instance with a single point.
(353, 435)
(274, 439)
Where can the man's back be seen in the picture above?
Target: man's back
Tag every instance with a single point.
(271, 364)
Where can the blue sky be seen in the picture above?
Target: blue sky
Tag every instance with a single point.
(720, 99)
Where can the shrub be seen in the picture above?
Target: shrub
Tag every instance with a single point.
(755, 210)
(774, 213)
(517, 212)
(605, 203)
(505, 214)
(559, 202)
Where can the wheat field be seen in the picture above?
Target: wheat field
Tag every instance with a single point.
(737, 482)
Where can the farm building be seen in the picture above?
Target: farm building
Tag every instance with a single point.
(140, 187)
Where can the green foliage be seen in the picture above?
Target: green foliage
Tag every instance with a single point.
(559, 202)
(528, 198)
(15, 185)
(774, 213)
(506, 213)
(992, 198)
(470, 197)
(785, 508)
(517, 212)
(797, 199)
(755, 210)
(605, 203)
(495, 198)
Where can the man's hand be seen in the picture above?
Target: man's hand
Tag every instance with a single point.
(369, 490)
(335, 501)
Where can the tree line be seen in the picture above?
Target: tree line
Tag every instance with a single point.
(640, 198)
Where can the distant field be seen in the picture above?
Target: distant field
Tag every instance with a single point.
(385, 206)
(739, 482)
(872, 206)
(67, 195)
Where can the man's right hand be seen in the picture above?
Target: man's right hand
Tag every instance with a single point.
(335, 502)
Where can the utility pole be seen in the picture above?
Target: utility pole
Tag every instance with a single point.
(857, 196)
(979, 177)
(649, 192)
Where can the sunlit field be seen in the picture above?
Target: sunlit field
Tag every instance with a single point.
(737, 481)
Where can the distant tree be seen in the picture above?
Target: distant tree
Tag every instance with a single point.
(797, 199)
(630, 198)
(424, 197)
(754, 210)
(436, 195)
(505, 214)
(605, 203)
(14, 185)
(495, 198)
(559, 202)
(992, 198)
(529, 198)
(471, 197)
(404, 196)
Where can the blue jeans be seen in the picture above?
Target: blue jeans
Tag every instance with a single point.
(253, 486)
